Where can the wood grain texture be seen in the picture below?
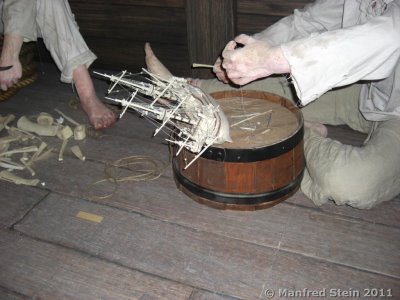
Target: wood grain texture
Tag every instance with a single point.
(10, 295)
(16, 202)
(203, 295)
(44, 271)
(307, 232)
(197, 258)
(134, 23)
(210, 25)
(251, 24)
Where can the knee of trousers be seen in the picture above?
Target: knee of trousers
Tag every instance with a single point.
(355, 184)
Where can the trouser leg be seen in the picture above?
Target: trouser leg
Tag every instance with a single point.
(53, 21)
(61, 36)
(19, 17)
(357, 176)
(338, 107)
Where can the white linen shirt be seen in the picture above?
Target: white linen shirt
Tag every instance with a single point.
(330, 44)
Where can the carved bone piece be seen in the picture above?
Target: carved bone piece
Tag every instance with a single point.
(79, 130)
(64, 134)
(8, 176)
(7, 163)
(45, 119)
(5, 120)
(78, 153)
(25, 124)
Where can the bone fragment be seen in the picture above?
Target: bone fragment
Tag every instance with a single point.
(78, 153)
(8, 139)
(65, 133)
(8, 176)
(21, 135)
(4, 147)
(20, 150)
(61, 154)
(25, 124)
(44, 155)
(5, 120)
(67, 118)
(9, 164)
(45, 119)
(42, 146)
(27, 166)
(195, 65)
(79, 132)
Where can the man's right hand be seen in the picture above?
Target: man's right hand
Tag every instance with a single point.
(219, 71)
(11, 76)
(10, 57)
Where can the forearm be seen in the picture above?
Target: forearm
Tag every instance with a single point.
(11, 48)
(276, 62)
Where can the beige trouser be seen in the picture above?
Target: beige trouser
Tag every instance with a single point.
(53, 21)
(358, 176)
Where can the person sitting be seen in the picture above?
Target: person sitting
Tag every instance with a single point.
(52, 20)
(346, 56)
(343, 61)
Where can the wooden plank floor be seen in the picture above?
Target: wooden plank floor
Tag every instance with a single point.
(156, 243)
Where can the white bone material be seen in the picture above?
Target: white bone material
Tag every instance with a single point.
(196, 118)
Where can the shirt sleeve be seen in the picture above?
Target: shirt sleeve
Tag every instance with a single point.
(19, 17)
(368, 51)
(322, 15)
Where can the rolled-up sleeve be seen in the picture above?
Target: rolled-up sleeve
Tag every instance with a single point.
(322, 61)
(322, 15)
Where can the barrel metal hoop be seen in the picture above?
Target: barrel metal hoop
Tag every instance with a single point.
(238, 199)
(255, 154)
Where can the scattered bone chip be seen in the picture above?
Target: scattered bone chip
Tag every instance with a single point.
(89, 217)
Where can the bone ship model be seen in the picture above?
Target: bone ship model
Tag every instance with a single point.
(196, 120)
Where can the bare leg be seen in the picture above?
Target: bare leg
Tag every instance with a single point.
(99, 115)
(10, 57)
(154, 65)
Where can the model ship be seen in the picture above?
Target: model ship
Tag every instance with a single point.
(191, 118)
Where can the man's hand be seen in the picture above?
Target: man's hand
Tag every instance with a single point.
(256, 59)
(9, 77)
(219, 71)
(10, 57)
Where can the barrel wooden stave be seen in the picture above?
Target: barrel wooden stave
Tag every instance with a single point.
(281, 174)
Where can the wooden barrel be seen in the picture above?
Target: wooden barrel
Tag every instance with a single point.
(261, 167)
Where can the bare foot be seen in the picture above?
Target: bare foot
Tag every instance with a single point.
(317, 127)
(100, 116)
(195, 82)
(156, 67)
